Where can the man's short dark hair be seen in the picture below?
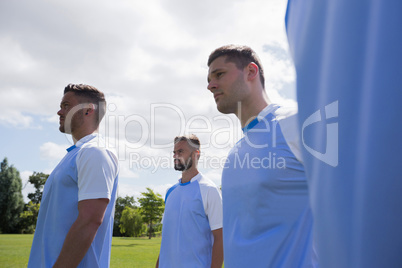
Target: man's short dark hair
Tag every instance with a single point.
(239, 55)
(89, 94)
(191, 140)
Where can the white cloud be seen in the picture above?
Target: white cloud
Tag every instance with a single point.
(146, 53)
(16, 119)
(215, 175)
(51, 119)
(126, 172)
(126, 189)
(141, 54)
(52, 151)
(160, 189)
(12, 53)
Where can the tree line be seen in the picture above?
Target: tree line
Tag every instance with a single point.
(132, 218)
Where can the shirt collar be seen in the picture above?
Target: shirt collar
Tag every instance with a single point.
(269, 109)
(196, 177)
(71, 148)
(82, 141)
(86, 139)
(264, 112)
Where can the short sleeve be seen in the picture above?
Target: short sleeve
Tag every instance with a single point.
(290, 129)
(213, 207)
(97, 170)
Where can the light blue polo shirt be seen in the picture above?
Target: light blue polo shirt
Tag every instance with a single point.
(267, 220)
(192, 211)
(88, 171)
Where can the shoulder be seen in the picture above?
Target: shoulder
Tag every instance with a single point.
(97, 150)
(206, 182)
(95, 158)
(286, 113)
(207, 187)
(172, 187)
(287, 118)
(170, 190)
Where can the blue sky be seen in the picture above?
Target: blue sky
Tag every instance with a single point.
(150, 60)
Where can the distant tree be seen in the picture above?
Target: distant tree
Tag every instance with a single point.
(38, 180)
(29, 217)
(152, 207)
(121, 203)
(131, 222)
(11, 200)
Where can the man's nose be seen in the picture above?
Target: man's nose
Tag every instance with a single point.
(211, 85)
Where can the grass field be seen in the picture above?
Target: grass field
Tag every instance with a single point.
(126, 252)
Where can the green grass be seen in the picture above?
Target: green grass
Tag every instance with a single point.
(134, 252)
(126, 252)
(14, 250)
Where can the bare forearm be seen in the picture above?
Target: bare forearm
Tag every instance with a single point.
(76, 244)
(217, 254)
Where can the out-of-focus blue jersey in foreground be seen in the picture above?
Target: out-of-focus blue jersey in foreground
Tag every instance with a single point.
(348, 59)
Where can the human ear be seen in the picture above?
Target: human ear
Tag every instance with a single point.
(90, 108)
(197, 154)
(252, 71)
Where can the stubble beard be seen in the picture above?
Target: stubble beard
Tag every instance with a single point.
(76, 122)
(231, 103)
(183, 167)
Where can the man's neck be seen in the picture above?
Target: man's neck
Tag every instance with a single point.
(248, 110)
(80, 135)
(187, 175)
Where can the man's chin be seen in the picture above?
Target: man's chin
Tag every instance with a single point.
(224, 109)
(178, 167)
(63, 130)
